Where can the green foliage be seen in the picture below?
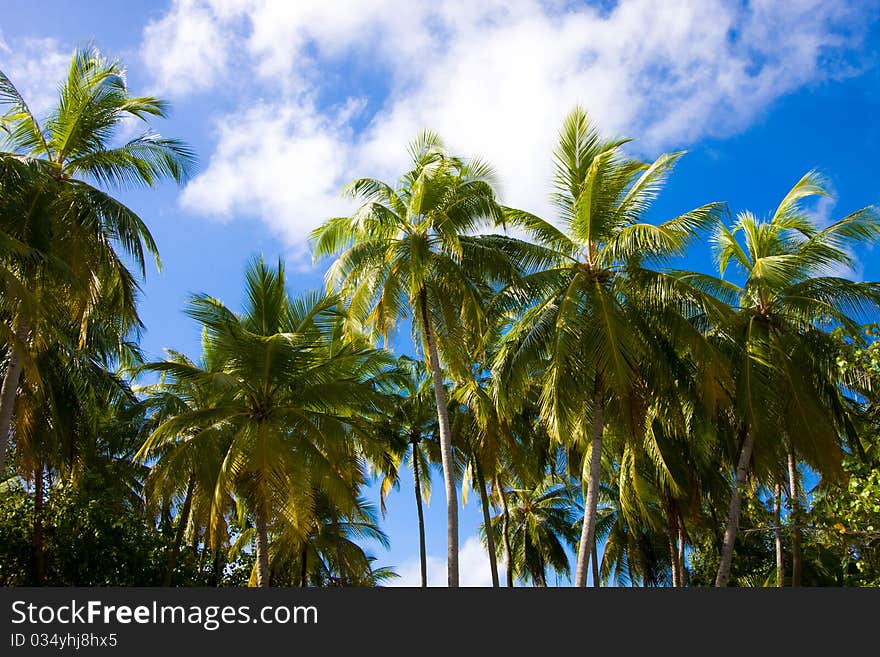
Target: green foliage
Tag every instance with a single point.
(846, 519)
(90, 540)
(754, 550)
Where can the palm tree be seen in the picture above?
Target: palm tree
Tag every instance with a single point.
(584, 324)
(412, 432)
(330, 555)
(293, 396)
(67, 219)
(542, 526)
(411, 247)
(63, 406)
(184, 471)
(638, 543)
(784, 362)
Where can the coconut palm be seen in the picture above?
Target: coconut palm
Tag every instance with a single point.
(184, 471)
(293, 396)
(331, 554)
(637, 539)
(71, 227)
(584, 323)
(784, 361)
(411, 248)
(411, 429)
(542, 526)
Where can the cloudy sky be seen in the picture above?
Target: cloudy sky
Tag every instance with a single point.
(285, 101)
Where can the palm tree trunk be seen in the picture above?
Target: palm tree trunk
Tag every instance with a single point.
(794, 501)
(487, 523)
(304, 563)
(777, 535)
(671, 539)
(594, 560)
(178, 534)
(505, 534)
(39, 548)
(742, 470)
(417, 486)
(340, 562)
(445, 444)
(9, 389)
(683, 572)
(216, 569)
(262, 545)
(588, 531)
(542, 572)
(673, 552)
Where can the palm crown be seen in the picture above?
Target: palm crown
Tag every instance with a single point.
(585, 325)
(290, 393)
(60, 231)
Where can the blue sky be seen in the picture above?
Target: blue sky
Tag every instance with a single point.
(286, 101)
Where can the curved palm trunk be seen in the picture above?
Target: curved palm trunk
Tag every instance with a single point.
(39, 549)
(794, 500)
(742, 470)
(777, 536)
(417, 487)
(594, 560)
(178, 534)
(588, 530)
(487, 523)
(505, 535)
(445, 444)
(8, 390)
(262, 546)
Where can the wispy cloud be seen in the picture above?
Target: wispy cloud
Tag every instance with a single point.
(494, 78)
(35, 66)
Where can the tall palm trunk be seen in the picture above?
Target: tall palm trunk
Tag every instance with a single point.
(216, 569)
(417, 486)
(794, 501)
(594, 559)
(445, 444)
(588, 531)
(39, 547)
(505, 534)
(683, 572)
(673, 552)
(178, 534)
(10, 386)
(487, 523)
(777, 535)
(340, 561)
(304, 564)
(542, 572)
(672, 535)
(262, 545)
(742, 470)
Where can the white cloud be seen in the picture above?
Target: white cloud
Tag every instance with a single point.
(473, 567)
(495, 79)
(284, 163)
(36, 68)
(187, 49)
